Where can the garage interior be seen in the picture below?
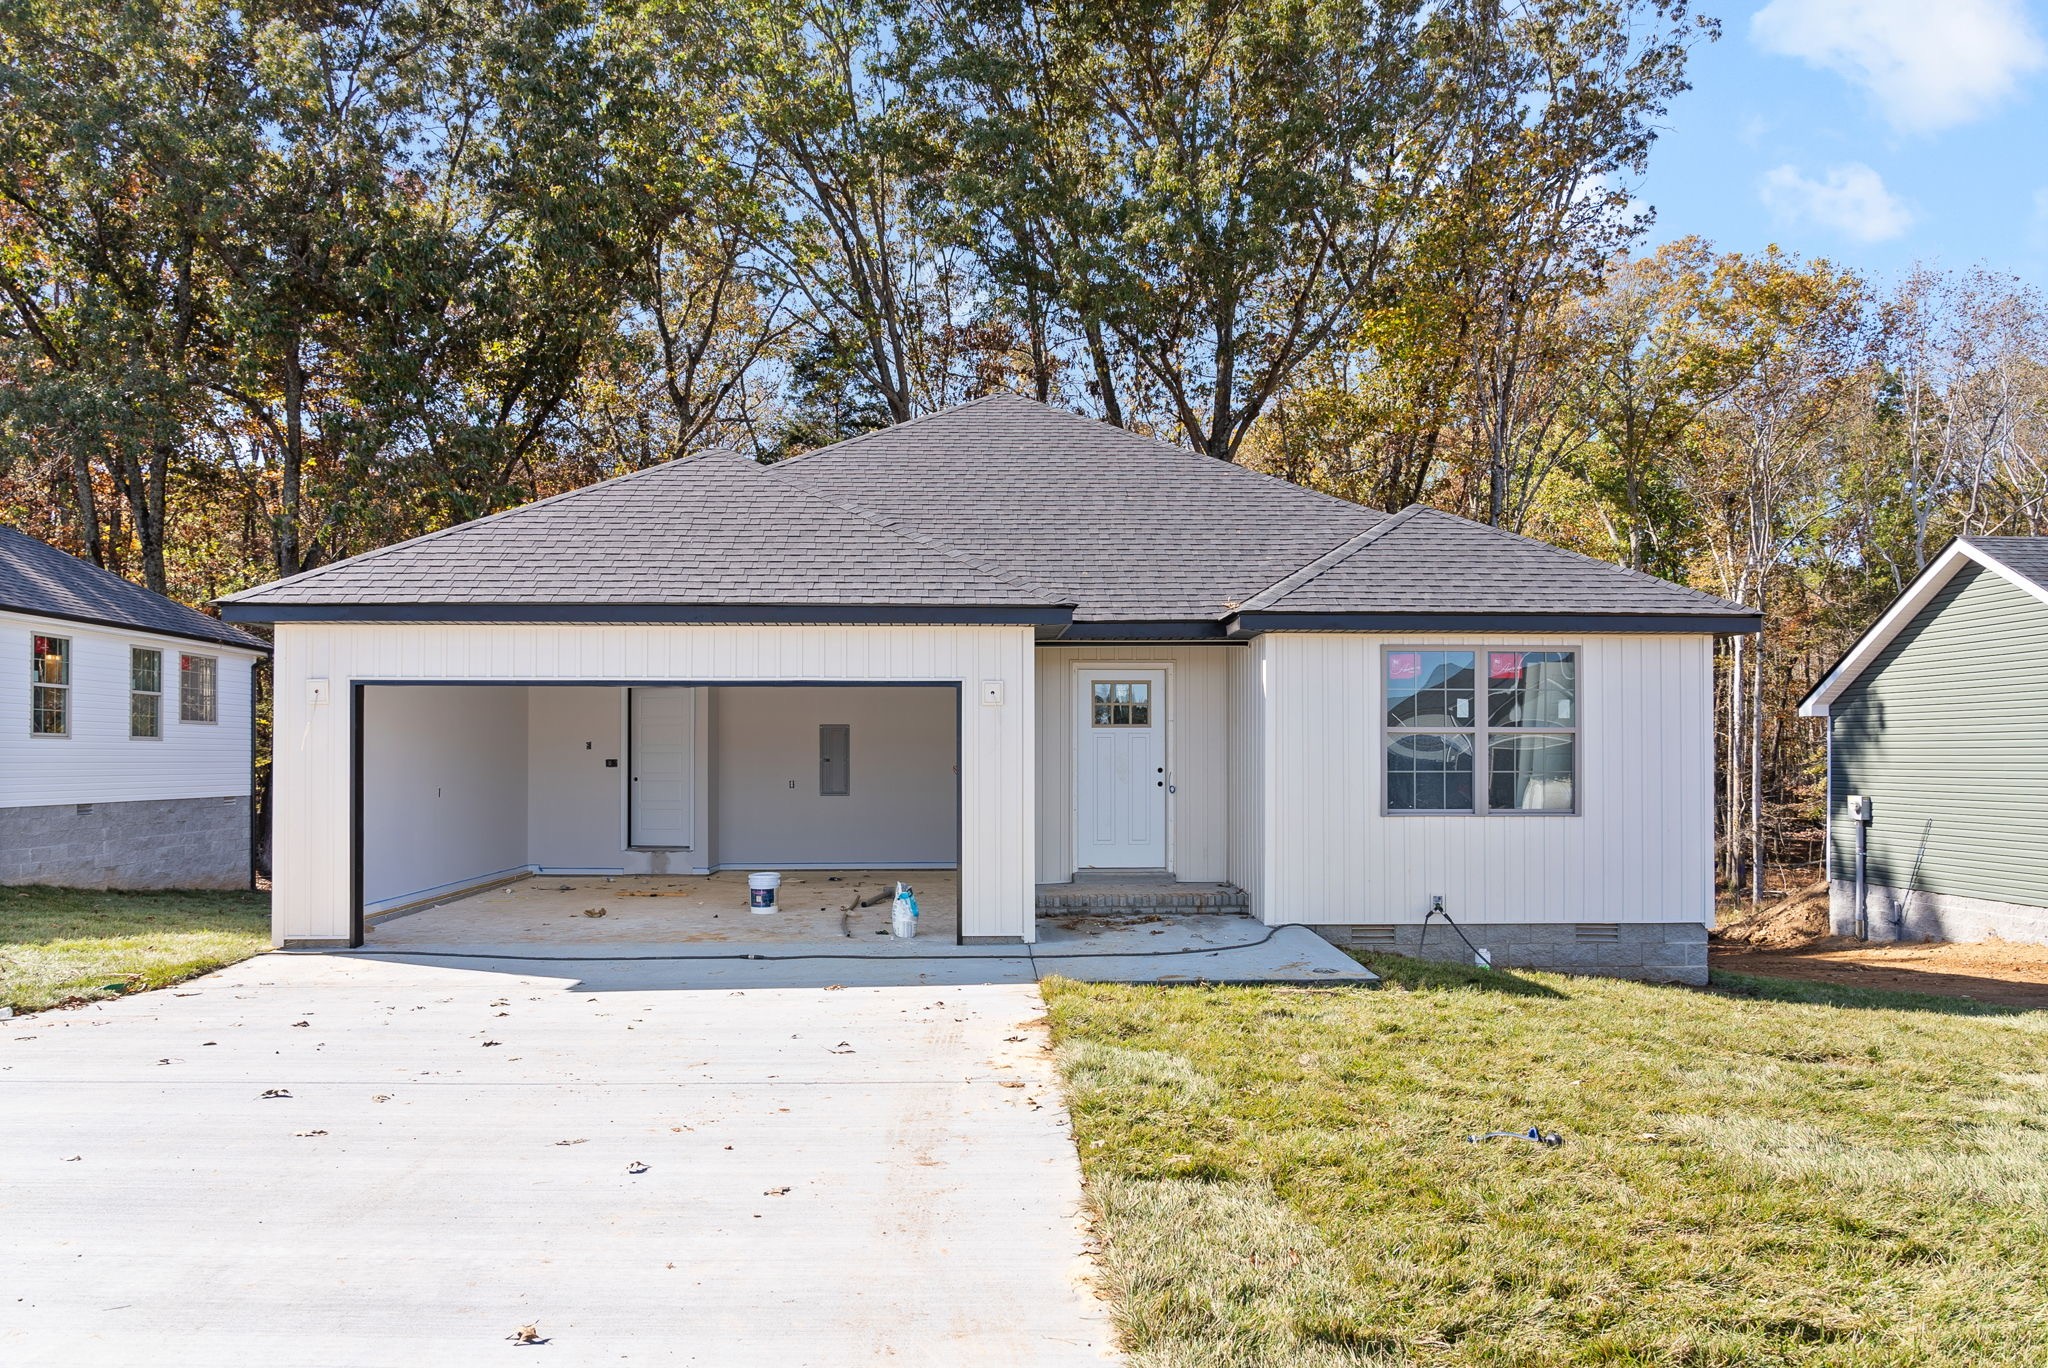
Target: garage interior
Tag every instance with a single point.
(513, 812)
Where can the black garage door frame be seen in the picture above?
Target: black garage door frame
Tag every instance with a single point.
(355, 751)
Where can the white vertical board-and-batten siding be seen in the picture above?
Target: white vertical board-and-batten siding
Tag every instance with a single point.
(1198, 754)
(99, 762)
(312, 744)
(1639, 849)
(444, 790)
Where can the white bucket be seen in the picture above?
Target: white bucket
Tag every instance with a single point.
(761, 891)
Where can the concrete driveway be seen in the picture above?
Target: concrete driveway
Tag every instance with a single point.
(873, 1172)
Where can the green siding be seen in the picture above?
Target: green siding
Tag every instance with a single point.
(1947, 733)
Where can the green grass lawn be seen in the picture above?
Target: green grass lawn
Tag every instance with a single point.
(67, 944)
(1769, 1173)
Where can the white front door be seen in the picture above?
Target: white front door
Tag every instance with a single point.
(1120, 779)
(663, 759)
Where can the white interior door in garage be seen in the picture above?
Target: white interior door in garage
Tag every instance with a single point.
(1120, 774)
(663, 728)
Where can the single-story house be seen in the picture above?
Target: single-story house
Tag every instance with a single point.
(1013, 642)
(128, 735)
(1937, 724)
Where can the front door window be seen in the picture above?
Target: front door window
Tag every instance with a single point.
(1123, 703)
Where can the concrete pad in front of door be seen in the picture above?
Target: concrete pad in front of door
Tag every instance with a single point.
(834, 1174)
(1189, 948)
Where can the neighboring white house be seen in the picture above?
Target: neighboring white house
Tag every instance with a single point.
(1027, 645)
(126, 731)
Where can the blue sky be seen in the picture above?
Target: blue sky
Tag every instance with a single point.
(1876, 133)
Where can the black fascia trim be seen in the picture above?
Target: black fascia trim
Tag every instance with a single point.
(653, 614)
(1168, 629)
(1719, 624)
(238, 642)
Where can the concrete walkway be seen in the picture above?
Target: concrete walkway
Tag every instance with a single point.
(835, 1173)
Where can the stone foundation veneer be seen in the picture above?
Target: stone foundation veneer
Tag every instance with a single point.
(156, 843)
(1657, 952)
(1901, 915)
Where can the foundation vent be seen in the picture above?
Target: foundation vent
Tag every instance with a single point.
(84, 809)
(1372, 937)
(1597, 933)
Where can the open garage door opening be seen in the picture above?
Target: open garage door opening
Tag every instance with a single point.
(516, 813)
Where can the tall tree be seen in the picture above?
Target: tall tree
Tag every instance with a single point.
(1553, 106)
(1214, 187)
(122, 131)
(1648, 366)
(1795, 334)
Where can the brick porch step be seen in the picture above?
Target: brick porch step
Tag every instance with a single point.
(1103, 896)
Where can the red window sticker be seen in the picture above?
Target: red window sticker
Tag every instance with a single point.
(1504, 664)
(1404, 665)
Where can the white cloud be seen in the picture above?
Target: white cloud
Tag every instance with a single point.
(1929, 63)
(1851, 200)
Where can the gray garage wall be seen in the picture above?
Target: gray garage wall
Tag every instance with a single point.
(766, 809)
(576, 802)
(444, 789)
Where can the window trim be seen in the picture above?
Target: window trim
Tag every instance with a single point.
(1483, 731)
(214, 692)
(63, 689)
(135, 693)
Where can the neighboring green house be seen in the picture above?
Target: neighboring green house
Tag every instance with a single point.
(1938, 720)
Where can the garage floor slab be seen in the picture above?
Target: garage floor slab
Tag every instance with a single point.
(698, 932)
(584, 911)
(340, 1160)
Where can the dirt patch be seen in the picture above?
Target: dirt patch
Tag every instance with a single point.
(1788, 937)
(1798, 919)
(1999, 973)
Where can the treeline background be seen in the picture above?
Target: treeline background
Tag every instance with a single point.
(283, 282)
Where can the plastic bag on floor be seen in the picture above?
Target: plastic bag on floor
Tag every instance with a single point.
(903, 914)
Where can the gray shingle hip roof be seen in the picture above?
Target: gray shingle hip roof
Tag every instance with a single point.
(1427, 563)
(709, 530)
(1004, 508)
(37, 578)
(1128, 527)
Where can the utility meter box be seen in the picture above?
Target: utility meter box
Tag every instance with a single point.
(1859, 808)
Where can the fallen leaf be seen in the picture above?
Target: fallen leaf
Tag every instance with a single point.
(489, 1043)
(776, 1192)
(526, 1334)
(1009, 1082)
(381, 1097)
(636, 1167)
(583, 1141)
(74, 1158)
(301, 1023)
(305, 1135)
(275, 1092)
